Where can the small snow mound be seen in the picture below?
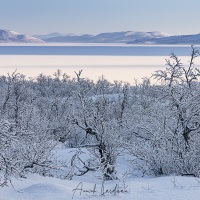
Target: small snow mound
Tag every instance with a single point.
(42, 188)
(43, 191)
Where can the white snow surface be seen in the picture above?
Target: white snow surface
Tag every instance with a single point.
(123, 68)
(45, 188)
(145, 188)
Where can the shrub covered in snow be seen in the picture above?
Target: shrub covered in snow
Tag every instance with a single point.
(158, 125)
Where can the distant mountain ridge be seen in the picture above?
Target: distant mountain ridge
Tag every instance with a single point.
(127, 37)
(110, 37)
(7, 36)
(177, 39)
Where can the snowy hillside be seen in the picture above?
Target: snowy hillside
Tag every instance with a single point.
(130, 37)
(12, 36)
(50, 35)
(111, 37)
(177, 39)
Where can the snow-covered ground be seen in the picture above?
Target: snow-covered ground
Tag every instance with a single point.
(45, 188)
(123, 68)
(90, 187)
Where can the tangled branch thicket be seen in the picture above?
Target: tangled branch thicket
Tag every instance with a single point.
(158, 125)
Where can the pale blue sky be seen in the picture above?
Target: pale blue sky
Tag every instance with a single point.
(95, 16)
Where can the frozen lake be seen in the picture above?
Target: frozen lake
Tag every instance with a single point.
(94, 49)
(114, 61)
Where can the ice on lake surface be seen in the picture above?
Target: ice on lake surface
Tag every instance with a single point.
(115, 62)
(94, 49)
